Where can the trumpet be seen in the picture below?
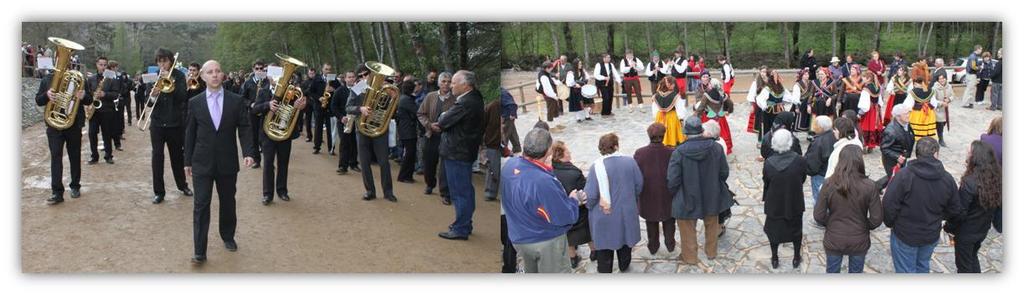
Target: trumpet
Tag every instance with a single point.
(166, 85)
(62, 108)
(193, 82)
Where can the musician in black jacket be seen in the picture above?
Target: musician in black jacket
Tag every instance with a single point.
(141, 91)
(257, 83)
(266, 105)
(104, 118)
(59, 139)
(118, 106)
(347, 141)
(211, 156)
(321, 115)
(125, 103)
(370, 146)
(193, 71)
(165, 128)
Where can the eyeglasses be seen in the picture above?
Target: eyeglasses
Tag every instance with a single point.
(259, 69)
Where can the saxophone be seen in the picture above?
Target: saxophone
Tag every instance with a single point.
(326, 98)
(61, 110)
(97, 102)
(279, 124)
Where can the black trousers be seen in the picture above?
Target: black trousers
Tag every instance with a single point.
(508, 252)
(256, 122)
(349, 157)
(554, 108)
(433, 174)
(767, 119)
(887, 165)
(323, 119)
(307, 122)
(201, 210)
(368, 147)
(126, 110)
(102, 122)
(57, 140)
(140, 103)
(669, 227)
(967, 256)
(604, 259)
(408, 159)
(174, 140)
(979, 94)
(606, 98)
(281, 151)
(118, 123)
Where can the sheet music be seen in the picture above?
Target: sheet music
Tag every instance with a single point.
(149, 77)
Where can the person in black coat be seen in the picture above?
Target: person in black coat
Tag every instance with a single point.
(405, 120)
(104, 119)
(572, 179)
(783, 120)
(916, 202)
(165, 128)
(258, 83)
(897, 143)
(784, 174)
(57, 140)
(346, 141)
(697, 174)
(980, 198)
(272, 150)
(462, 134)
(818, 153)
(370, 146)
(321, 116)
(808, 61)
(211, 156)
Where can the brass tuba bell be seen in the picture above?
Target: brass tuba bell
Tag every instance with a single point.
(61, 110)
(381, 99)
(279, 124)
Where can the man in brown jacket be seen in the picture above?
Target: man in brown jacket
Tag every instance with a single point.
(433, 105)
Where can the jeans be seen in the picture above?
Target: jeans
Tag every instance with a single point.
(816, 182)
(996, 95)
(493, 173)
(835, 262)
(460, 186)
(910, 259)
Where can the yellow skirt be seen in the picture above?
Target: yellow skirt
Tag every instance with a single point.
(923, 123)
(673, 130)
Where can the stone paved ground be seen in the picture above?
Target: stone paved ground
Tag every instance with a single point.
(744, 248)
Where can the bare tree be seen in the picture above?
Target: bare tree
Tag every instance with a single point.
(446, 33)
(927, 38)
(463, 45)
(356, 38)
(647, 34)
(725, 37)
(586, 44)
(785, 43)
(878, 36)
(376, 41)
(554, 39)
(567, 31)
(686, 35)
(834, 26)
(625, 36)
(611, 38)
(392, 54)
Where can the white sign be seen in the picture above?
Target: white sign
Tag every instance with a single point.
(149, 77)
(108, 74)
(275, 72)
(45, 63)
(331, 77)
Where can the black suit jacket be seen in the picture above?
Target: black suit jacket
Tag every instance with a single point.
(212, 151)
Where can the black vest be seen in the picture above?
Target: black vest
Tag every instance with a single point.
(540, 85)
(657, 74)
(729, 75)
(632, 70)
(677, 74)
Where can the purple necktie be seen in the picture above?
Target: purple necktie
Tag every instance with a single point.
(215, 110)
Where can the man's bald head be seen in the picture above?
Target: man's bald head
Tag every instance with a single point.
(212, 74)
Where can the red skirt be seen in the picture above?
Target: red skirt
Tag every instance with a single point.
(752, 122)
(727, 87)
(871, 127)
(681, 83)
(888, 110)
(725, 133)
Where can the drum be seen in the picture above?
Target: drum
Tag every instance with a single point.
(589, 91)
(562, 91)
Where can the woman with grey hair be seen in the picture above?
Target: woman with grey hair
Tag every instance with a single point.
(712, 131)
(784, 174)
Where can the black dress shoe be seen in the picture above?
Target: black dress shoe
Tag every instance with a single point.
(406, 181)
(231, 246)
(309, 139)
(342, 171)
(119, 148)
(284, 197)
(796, 261)
(428, 191)
(450, 235)
(368, 197)
(198, 260)
(187, 192)
(775, 262)
(55, 199)
(490, 198)
(266, 200)
(93, 161)
(331, 153)
(316, 152)
(110, 161)
(391, 198)
(157, 199)
(75, 193)
(356, 169)
(446, 201)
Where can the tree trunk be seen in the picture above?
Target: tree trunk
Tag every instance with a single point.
(686, 35)
(796, 40)
(785, 44)
(376, 42)
(878, 36)
(417, 46)
(586, 44)
(611, 39)
(334, 45)
(569, 46)
(463, 45)
(927, 38)
(647, 33)
(446, 33)
(842, 39)
(995, 38)
(625, 36)
(554, 40)
(834, 26)
(725, 35)
(392, 54)
(920, 39)
(357, 42)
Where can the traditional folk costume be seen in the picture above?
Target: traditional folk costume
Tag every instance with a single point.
(852, 88)
(679, 68)
(546, 88)
(667, 104)
(897, 90)
(773, 102)
(870, 116)
(603, 75)
(655, 71)
(922, 116)
(728, 78)
(631, 81)
(823, 100)
(715, 105)
(753, 123)
(804, 91)
(576, 99)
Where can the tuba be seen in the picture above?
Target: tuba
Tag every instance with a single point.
(61, 110)
(166, 85)
(279, 124)
(381, 99)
